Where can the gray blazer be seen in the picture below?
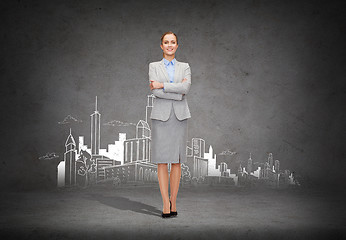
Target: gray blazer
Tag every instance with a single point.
(174, 94)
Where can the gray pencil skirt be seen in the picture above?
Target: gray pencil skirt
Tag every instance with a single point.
(168, 140)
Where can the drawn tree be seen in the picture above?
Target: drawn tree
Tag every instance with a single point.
(201, 179)
(185, 174)
(89, 165)
(194, 181)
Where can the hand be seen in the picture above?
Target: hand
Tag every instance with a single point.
(155, 85)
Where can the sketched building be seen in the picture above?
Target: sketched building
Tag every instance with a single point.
(61, 174)
(101, 157)
(137, 166)
(143, 130)
(224, 176)
(270, 176)
(249, 165)
(102, 160)
(138, 149)
(67, 167)
(132, 172)
(95, 130)
(261, 168)
(116, 150)
(224, 171)
(270, 160)
(265, 174)
(195, 154)
(212, 170)
(266, 170)
(204, 164)
(149, 108)
(277, 166)
(101, 163)
(243, 177)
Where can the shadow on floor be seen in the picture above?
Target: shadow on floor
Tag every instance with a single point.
(122, 203)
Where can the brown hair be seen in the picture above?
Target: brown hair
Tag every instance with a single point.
(169, 32)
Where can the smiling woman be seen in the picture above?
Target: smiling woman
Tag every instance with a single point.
(169, 44)
(170, 81)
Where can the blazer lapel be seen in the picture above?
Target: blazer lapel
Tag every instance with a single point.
(163, 69)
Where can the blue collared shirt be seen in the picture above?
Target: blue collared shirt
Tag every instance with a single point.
(170, 67)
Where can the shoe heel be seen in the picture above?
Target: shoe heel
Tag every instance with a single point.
(173, 214)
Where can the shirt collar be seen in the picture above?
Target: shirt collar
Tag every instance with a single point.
(166, 62)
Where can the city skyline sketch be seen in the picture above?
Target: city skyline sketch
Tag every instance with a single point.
(128, 159)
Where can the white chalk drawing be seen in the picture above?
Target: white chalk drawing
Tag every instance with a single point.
(268, 173)
(125, 160)
(204, 165)
(227, 152)
(69, 119)
(49, 156)
(88, 165)
(95, 130)
(117, 123)
(185, 174)
(128, 160)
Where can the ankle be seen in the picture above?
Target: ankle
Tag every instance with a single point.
(166, 208)
(166, 203)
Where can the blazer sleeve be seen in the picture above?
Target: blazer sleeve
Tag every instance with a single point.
(182, 87)
(159, 92)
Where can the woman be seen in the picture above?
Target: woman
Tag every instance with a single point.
(170, 81)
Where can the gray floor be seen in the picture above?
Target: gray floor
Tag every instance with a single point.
(204, 212)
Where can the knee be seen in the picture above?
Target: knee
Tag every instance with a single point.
(162, 166)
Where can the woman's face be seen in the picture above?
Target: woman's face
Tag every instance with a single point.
(169, 45)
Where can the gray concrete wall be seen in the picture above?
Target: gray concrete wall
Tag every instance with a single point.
(267, 76)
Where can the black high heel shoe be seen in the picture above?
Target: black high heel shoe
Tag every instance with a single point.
(173, 214)
(166, 215)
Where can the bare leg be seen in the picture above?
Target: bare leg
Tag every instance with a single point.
(162, 174)
(174, 182)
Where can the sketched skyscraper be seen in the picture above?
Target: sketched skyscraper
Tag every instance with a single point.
(223, 169)
(198, 147)
(143, 130)
(249, 165)
(277, 166)
(196, 151)
(95, 131)
(270, 161)
(70, 160)
(266, 170)
(149, 108)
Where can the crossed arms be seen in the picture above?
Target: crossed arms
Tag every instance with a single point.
(174, 91)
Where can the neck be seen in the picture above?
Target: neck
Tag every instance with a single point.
(169, 58)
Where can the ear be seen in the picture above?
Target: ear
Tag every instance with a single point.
(161, 46)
